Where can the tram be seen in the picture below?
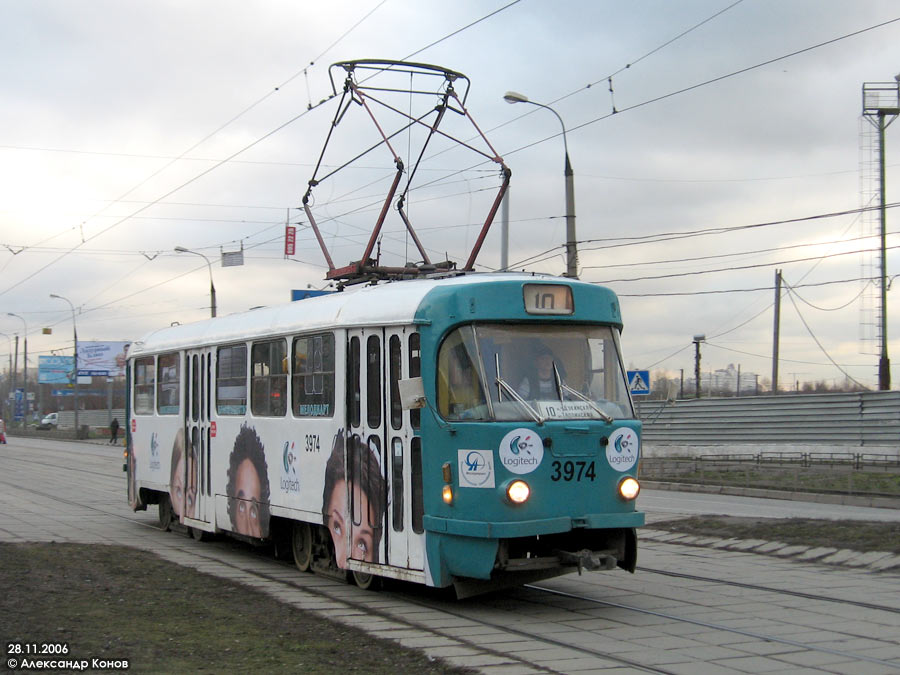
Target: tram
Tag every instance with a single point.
(474, 430)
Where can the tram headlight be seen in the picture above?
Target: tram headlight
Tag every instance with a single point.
(447, 494)
(628, 488)
(518, 492)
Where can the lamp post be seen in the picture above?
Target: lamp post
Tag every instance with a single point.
(697, 340)
(10, 370)
(212, 288)
(571, 247)
(75, 352)
(24, 369)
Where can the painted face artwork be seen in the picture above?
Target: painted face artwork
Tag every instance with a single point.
(362, 546)
(176, 476)
(248, 490)
(338, 523)
(248, 485)
(355, 536)
(190, 496)
(132, 478)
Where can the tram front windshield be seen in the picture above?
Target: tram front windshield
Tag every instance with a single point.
(532, 372)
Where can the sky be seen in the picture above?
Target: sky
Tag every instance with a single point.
(712, 142)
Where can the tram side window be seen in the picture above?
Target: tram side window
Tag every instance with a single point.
(373, 381)
(195, 388)
(144, 385)
(395, 374)
(231, 380)
(415, 370)
(353, 390)
(397, 484)
(268, 386)
(418, 498)
(312, 381)
(168, 384)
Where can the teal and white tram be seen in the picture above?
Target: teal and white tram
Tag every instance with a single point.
(475, 430)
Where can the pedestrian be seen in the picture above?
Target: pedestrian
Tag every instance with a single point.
(114, 430)
(2, 432)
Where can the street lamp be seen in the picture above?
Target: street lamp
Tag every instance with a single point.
(212, 288)
(697, 340)
(571, 247)
(10, 369)
(24, 370)
(75, 364)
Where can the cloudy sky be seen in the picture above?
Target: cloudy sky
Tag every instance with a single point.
(130, 128)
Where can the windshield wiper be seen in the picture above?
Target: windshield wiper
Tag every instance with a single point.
(563, 387)
(502, 386)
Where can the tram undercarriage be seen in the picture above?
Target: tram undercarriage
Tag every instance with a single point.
(525, 560)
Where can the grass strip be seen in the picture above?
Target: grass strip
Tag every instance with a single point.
(857, 535)
(113, 602)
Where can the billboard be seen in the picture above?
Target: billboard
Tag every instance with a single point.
(102, 358)
(54, 369)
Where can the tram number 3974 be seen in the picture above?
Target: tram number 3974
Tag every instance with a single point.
(577, 471)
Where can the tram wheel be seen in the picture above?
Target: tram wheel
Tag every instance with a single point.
(166, 514)
(198, 534)
(366, 581)
(301, 544)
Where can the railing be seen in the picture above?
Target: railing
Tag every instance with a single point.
(873, 474)
(857, 460)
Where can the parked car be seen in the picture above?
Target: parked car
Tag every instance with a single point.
(49, 421)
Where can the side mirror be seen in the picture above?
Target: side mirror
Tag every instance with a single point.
(412, 393)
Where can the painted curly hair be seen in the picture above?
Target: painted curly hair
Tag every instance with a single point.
(247, 446)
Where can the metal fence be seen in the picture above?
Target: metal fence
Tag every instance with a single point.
(871, 474)
(857, 419)
(92, 418)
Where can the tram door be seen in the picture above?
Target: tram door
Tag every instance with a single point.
(198, 503)
(403, 466)
(378, 459)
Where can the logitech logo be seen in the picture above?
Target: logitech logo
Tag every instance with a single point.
(521, 451)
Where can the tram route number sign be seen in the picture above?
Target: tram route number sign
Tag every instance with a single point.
(639, 382)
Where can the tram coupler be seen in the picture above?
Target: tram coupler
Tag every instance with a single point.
(587, 559)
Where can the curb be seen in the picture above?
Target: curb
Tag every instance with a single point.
(874, 561)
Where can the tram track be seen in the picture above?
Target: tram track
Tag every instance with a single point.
(437, 606)
(366, 607)
(713, 626)
(521, 599)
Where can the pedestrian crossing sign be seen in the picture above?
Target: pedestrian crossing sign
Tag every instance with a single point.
(639, 382)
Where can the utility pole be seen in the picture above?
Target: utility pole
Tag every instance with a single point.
(504, 232)
(775, 336)
(881, 106)
(15, 374)
(697, 340)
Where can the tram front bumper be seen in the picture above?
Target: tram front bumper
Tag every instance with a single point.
(525, 528)
(473, 549)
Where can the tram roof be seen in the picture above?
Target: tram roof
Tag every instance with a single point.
(385, 304)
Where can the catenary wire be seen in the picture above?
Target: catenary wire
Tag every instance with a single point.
(222, 162)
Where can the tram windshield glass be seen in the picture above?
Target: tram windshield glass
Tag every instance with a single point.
(532, 372)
